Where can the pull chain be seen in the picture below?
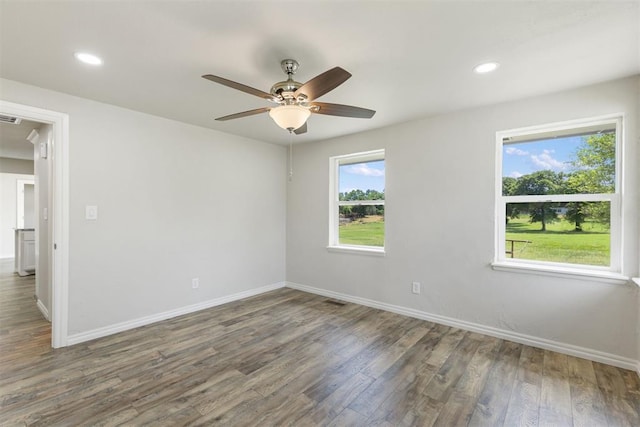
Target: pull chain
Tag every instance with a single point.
(290, 155)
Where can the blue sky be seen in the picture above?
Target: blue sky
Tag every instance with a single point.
(363, 176)
(517, 159)
(527, 157)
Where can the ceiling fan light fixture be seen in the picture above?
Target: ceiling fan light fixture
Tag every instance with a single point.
(289, 117)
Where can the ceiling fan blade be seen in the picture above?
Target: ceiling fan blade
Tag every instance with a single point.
(323, 83)
(244, 114)
(240, 87)
(341, 110)
(301, 129)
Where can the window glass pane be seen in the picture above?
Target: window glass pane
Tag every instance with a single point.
(566, 232)
(579, 164)
(362, 181)
(361, 225)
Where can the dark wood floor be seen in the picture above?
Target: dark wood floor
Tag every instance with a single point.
(291, 358)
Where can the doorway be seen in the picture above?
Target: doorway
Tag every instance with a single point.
(25, 204)
(56, 215)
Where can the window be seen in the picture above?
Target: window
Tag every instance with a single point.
(558, 203)
(357, 202)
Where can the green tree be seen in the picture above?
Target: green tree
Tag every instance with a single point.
(509, 186)
(540, 183)
(374, 195)
(576, 213)
(595, 165)
(346, 211)
(595, 173)
(512, 212)
(360, 211)
(543, 213)
(358, 194)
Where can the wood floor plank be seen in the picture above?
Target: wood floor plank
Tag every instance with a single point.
(348, 417)
(555, 395)
(493, 402)
(447, 376)
(523, 406)
(621, 405)
(409, 394)
(523, 409)
(292, 358)
(369, 400)
(458, 409)
(334, 404)
(587, 403)
(396, 350)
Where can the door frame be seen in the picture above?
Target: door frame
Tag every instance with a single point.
(58, 212)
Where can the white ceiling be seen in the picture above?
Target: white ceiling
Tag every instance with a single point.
(13, 140)
(408, 59)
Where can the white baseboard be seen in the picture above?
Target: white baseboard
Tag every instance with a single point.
(142, 321)
(43, 310)
(572, 350)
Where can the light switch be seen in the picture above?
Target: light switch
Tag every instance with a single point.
(45, 214)
(91, 213)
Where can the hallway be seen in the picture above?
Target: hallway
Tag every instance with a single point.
(23, 329)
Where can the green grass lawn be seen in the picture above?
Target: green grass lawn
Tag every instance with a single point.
(560, 243)
(369, 232)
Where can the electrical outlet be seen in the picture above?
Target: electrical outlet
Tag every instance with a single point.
(195, 283)
(415, 287)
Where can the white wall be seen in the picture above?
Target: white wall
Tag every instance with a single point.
(8, 209)
(440, 174)
(43, 227)
(638, 275)
(175, 202)
(24, 167)
(29, 205)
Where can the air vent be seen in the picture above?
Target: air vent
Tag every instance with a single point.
(10, 119)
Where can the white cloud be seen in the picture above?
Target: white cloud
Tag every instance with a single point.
(516, 151)
(546, 161)
(364, 169)
(516, 174)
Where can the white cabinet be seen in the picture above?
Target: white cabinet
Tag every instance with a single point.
(25, 262)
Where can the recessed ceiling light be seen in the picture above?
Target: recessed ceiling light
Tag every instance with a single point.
(88, 58)
(487, 67)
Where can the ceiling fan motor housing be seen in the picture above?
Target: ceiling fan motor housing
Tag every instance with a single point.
(285, 89)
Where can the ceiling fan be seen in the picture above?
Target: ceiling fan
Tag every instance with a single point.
(296, 101)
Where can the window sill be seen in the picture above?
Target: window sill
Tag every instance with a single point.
(360, 250)
(569, 273)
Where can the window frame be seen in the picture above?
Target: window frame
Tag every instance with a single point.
(611, 273)
(334, 202)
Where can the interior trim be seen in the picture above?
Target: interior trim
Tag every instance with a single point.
(43, 309)
(147, 320)
(569, 349)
